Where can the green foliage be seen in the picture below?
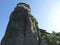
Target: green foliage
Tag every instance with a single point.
(43, 35)
(58, 34)
(52, 39)
(35, 22)
(13, 24)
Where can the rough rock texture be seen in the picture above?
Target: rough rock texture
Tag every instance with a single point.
(21, 30)
(43, 42)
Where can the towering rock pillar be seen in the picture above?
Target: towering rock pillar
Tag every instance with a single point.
(21, 30)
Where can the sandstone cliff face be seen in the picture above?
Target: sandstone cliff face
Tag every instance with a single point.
(21, 30)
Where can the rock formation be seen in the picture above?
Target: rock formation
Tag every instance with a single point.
(43, 42)
(21, 29)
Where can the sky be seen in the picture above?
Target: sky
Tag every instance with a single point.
(47, 13)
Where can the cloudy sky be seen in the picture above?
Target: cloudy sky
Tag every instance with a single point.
(47, 13)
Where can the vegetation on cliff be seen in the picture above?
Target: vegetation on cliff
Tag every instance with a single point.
(52, 38)
(35, 22)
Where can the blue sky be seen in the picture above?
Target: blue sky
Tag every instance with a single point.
(47, 13)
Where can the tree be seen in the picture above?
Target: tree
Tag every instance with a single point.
(52, 39)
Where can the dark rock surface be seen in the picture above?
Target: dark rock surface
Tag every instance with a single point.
(21, 30)
(43, 42)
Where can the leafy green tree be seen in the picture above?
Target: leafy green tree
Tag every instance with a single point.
(52, 39)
